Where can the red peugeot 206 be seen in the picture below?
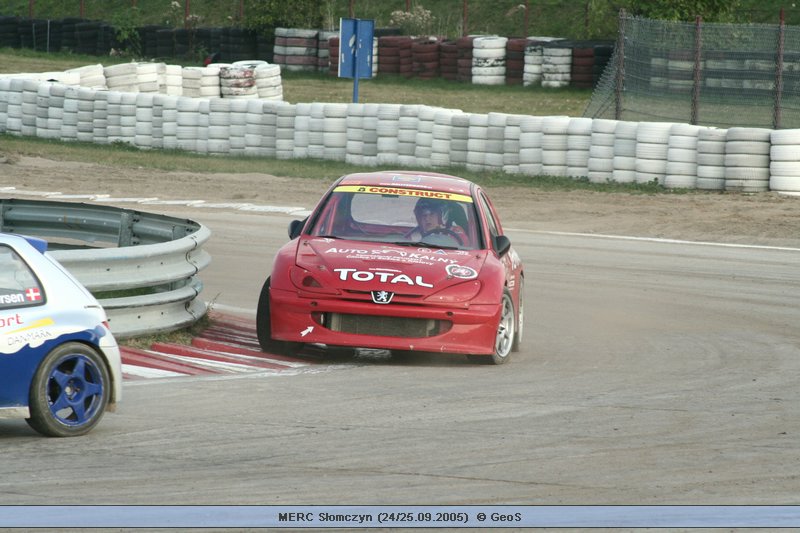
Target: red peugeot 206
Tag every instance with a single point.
(398, 260)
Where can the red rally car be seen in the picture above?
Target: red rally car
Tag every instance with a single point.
(398, 260)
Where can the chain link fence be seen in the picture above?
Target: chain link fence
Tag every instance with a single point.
(709, 74)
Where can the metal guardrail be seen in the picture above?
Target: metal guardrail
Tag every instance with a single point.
(142, 267)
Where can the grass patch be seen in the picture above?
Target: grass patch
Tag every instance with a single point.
(16, 60)
(180, 336)
(386, 88)
(470, 98)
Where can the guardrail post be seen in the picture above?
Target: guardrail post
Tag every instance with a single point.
(125, 229)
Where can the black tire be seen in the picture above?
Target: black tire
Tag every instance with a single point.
(264, 328)
(69, 392)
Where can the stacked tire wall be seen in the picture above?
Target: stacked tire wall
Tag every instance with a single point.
(533, 61)
(748, 160)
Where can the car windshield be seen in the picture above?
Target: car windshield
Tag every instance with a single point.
(403, 216)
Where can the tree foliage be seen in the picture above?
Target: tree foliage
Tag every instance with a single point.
(266, 15)
(686, 10)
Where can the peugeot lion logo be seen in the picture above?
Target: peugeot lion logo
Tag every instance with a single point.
(382, 297)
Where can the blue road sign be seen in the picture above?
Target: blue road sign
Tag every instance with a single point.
(355, 50)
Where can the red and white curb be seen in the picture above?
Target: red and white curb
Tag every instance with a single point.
(228, 346)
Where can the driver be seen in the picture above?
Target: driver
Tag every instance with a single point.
(433, 216)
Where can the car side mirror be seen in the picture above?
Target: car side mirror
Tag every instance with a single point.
(502, 245)
(295, 227)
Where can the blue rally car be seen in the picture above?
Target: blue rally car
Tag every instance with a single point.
(60, 366)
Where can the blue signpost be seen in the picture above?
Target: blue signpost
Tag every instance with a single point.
(355, 50)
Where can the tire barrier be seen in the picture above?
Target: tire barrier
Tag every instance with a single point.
(579, 141)
(529, 61)
(448, 60)
(425, 59)
(243, 79)
(747, 164)
(297, 50)
(652, 144)
(464, 46)
(624, 142)
(711, 159)
(154, 256)
(333, 51)
(554, 145)
(600, 150)
(582, 68)
(489, 60)
(324, 59)
(784, 166)
(681, 170)
(515, 61)
(556, 65)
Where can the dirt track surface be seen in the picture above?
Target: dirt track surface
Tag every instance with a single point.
(763, 219)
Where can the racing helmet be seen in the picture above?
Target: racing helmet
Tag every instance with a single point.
(432, 205)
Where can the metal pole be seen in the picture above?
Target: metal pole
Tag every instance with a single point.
(355, 62)
(351, 8)
(527, 18)
(620, 78)
(698, 45)
(30, 8)
(464, 18)
(776, 115)
(186, 10)
(82, 8)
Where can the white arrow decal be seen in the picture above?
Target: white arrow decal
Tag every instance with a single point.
(306, 331)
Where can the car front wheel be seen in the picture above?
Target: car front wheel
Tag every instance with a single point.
(69, 392)
(264, 328)
(504, 340)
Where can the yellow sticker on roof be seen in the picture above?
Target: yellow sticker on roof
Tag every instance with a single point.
(402, 191)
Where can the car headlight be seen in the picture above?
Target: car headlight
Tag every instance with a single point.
(305, 280)
(462, 292)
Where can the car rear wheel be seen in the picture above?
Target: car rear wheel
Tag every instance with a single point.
(69, 392)
(506, 331)
(264, 328)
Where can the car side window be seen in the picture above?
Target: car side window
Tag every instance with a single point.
(19, 286)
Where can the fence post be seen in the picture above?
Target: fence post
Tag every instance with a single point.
(620, 78)
(698, 50)
(776, 114)
(464, 11)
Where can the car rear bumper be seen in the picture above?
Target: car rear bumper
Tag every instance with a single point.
(468, 331)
